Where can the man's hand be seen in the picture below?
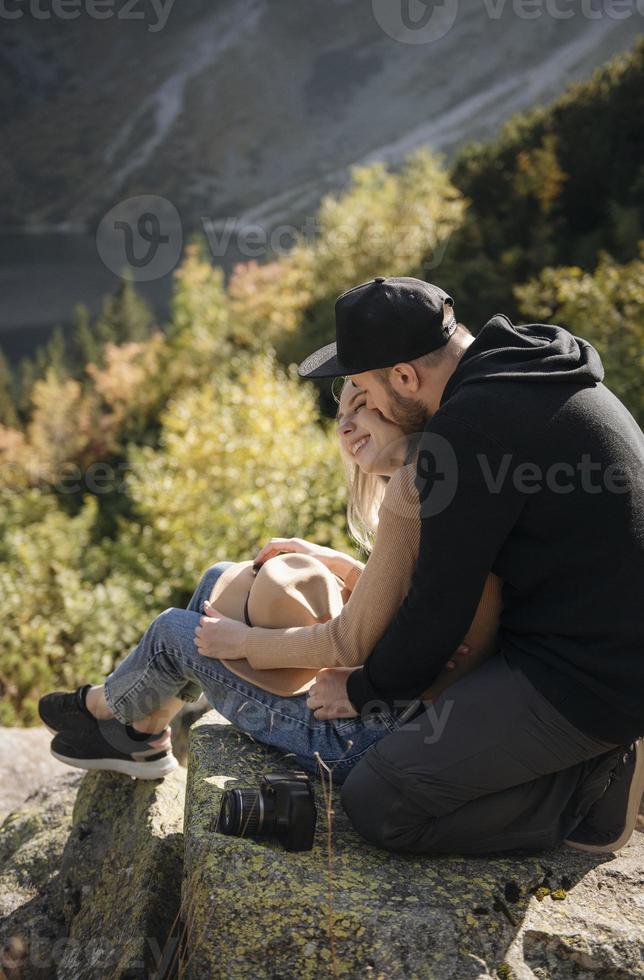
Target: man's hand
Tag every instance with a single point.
(461, 651)
(218, 636)
(327, 698)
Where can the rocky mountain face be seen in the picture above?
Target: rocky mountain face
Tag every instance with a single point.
(250, 109)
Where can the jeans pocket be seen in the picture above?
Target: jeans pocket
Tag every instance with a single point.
(381, 721)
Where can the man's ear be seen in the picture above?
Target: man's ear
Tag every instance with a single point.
(404, 379)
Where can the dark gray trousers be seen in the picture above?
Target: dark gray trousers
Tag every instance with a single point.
(491, 766)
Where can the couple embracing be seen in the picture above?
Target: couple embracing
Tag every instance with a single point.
(478, 685)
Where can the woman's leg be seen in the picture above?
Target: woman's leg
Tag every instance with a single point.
(159, 719)
(165, 669)
(167, 658)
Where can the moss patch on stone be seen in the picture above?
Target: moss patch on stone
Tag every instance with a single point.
(121, 876)
(32, 840)
(90, 878)
(252, 909)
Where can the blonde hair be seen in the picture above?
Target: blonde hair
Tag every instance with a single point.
(366, 492)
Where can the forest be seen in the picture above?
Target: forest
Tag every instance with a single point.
(135, 453)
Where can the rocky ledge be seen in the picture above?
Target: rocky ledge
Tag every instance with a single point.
(347, 909)
(103, 877)
(90, 873)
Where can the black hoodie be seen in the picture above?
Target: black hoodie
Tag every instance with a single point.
(532, 469)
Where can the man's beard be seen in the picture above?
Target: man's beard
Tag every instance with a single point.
(410, 414)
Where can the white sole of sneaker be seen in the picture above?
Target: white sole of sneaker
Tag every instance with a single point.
(632, 810)
(138, 770)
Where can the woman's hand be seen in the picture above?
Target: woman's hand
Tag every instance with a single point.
(338, 563)
(218, 636)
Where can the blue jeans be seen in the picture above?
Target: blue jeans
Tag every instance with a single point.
(166, 663)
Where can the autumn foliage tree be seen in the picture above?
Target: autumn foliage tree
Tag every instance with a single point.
(213, 442)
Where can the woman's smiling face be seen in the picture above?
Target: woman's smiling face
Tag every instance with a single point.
(366, 437)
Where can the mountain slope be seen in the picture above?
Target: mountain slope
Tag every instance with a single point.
(252, 109)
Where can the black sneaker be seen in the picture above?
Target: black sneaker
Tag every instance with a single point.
(611, 820)
(114, 746)
(65, 709)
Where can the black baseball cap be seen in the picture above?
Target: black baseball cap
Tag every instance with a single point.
(381, 323)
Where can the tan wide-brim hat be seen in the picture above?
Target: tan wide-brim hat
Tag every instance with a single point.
(287, 590)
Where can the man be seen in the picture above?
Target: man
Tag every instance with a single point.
(531, 468)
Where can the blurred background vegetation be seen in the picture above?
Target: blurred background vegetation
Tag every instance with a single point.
(136, 454)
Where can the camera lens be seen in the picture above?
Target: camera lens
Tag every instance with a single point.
(242, 813)
(282, 807)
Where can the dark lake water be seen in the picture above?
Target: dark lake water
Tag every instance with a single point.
(42, 278)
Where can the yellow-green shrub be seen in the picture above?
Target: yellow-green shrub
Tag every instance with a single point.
(242, 458)
(67, 616)
(606, 308)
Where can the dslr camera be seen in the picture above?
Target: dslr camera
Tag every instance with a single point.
(283, 807)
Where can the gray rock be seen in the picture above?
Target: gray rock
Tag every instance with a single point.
(26, 764)
(91, 869)
(594, 929)
(121, 877)
(32, 840)
(252, 909)
(90, 878)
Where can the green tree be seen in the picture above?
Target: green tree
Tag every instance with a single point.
(605, 307)
(560, 184)
(27, 376)
(123, 317)
(242, 458)
(70, 612)
(8, 413)
(385, 223)
(84, 340)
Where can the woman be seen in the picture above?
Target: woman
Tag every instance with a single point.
(139, 698)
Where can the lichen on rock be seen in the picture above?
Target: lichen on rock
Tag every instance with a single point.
(597, 931)
(90, 878)
(121, 876)
(32, 840)
(252, 909)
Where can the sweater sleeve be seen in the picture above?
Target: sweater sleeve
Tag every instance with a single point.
(352, 577)
(346, 640)
(468, 506)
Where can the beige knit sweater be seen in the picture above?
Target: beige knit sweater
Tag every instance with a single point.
(376, 591)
